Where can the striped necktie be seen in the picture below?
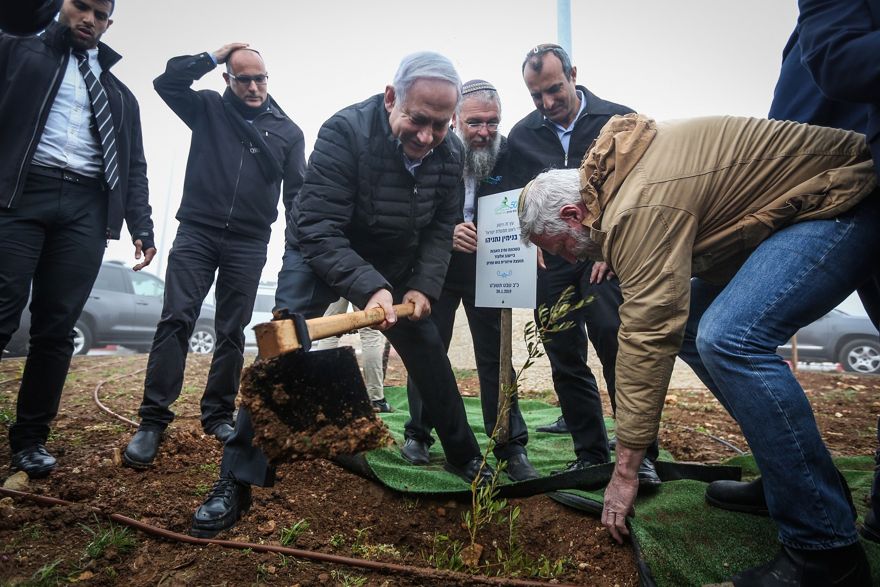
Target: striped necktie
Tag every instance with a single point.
(103, 120)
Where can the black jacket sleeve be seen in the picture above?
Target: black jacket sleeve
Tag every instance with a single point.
(175, 85)
(294, 170)
(324, 211)
(137, 204)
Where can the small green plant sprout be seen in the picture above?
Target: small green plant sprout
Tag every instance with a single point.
(337, 540)
(46, 576)
(106, 540)
(347, 579)
(485, 507)
(292, 533)
(445, 553)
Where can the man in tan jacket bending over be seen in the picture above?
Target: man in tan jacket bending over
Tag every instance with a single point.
(728, 235)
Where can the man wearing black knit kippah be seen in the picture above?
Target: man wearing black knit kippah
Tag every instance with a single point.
(485, 172)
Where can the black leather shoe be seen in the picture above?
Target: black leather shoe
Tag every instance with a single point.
(415, 451)
(557, 427)
(473, 469)
(870, 529)
(222, 432)
(35, 461)
(520, 469)
(223, 507)
(382, 406)
(738, 496)
(577, 465)
(648, 477)
(142, 448)
(847, 566)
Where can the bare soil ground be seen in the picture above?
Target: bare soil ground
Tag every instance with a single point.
(344, 514)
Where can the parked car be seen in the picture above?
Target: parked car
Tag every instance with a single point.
(123, 308)
(263, 306)
(838, 337)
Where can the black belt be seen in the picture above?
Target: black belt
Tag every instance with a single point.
(67, 175)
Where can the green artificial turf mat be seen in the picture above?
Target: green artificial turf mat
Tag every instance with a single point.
(682, 540)
(547, 452)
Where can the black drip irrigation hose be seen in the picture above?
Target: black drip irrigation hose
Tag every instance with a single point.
(311, 555)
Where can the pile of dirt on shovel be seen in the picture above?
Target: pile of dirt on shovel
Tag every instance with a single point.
(311, 405)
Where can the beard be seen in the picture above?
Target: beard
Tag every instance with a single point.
(480, 162)
(585, 248)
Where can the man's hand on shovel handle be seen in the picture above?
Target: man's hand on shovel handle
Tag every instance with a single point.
(382, 299)
(421, 302)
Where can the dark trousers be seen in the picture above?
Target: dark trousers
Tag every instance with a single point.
(485, 327)
(573, 380)
(53, 239)
(419, 346)
(198, 251)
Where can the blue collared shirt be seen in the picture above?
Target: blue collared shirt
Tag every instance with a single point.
(413, 164)
(69, 140)
(564, 133)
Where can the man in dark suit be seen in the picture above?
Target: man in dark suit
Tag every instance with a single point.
(73, 168)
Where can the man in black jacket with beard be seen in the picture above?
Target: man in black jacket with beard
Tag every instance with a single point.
(485, 173)
(66, 184)
(373, 224)
(243, 147)
(556, 135)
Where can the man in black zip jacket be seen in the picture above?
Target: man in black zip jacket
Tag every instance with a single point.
(556, 135)
(373, 224)
(243, 147)
(65, 189)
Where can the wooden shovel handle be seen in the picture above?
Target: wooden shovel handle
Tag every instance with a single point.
(279, 336)
(327, 326)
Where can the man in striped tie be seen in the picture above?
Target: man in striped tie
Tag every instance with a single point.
(73, 170)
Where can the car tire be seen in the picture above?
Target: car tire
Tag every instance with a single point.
(203, 340)
(860, 356)
(82, 339)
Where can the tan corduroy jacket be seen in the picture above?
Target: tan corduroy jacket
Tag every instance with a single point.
(693, 198)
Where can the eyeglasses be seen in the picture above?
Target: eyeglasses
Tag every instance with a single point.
(245, 80)
(492, 126)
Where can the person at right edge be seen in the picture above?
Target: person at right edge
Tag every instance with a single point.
(830, 76)
(567, 119)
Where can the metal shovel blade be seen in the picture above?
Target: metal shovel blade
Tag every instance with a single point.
(308, 405)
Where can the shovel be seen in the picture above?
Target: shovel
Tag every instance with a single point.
(308, 405)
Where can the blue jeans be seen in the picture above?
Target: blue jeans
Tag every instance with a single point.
(793, 278)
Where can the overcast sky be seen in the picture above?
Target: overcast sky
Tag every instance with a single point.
(665, 58)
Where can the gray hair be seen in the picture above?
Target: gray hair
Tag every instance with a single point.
(424, 65)
(541, 200)
(484, 96)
